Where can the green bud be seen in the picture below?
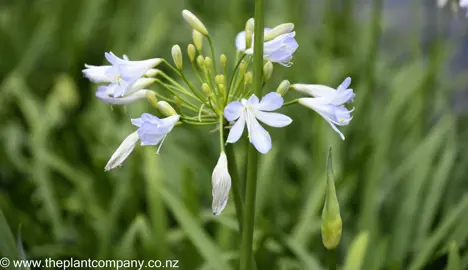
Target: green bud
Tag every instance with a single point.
(248, 78)
(166, 109)
(152, 99)
(177, 56)
(206, 90)
(178, 102)
(223, 60)
(192, 52)
(197, 40)
(219, 79)
(267, 71)
(194, 22)
(222, 90)
(331, 219)
(242, 67)
(248, 39)
(278, 31)
(250, 25)
(283, 87)
(201, 62)
(208, 63)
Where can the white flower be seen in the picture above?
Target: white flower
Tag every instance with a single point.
(124, 150)
(122, 73)
(136, 92)
(464, 4)
(221, 184)
(248, 111)
(328, 102)
(279, 50)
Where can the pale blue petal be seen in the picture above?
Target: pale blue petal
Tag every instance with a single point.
(240, 41)
(236, 130)
(270, 102)
(104, 97)
(233, 110)
(113, 59)
(151, 134)
(253, 100)
(345, 84)
(273, 119)
(336, 129)
(146, 118)
(258, 136)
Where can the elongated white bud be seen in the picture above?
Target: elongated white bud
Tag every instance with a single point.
(283, 87)
(177, 56)
(166, 109)
(192, 52)
(194, 22)
(152, 72)
(197, 40)
(141, 83)
(221, 183)
(278, 31)
(124, 150)
(267, 71)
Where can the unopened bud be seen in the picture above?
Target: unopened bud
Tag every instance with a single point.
(223, 60)
(208, 63)
(242, 67)
(152, 99)
(278, 31)
(177, 56)
(206, 90)
(250, 25)
(201, 62)
(332, 224)
(178, 102)
(219, 79)
(141, 83)
(248, 39)
(152, 72)
(194, 22)
(222, 89)
(124, 150)
(192, 52)
(248, 77)
(221, 184)
(283, 87)
(197, 40)
(166, 109)
(267, 71)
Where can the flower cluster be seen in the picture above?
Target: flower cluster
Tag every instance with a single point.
(461, 3)
(216, 97)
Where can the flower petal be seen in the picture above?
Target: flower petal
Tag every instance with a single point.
(315, 90)
(233, 110)
(273, 119)
(270, 102)
(151, 134)
(97, 74)
(336, 129)
(253, 100)
(345, 84)
(240, 41)
(258, 136)
(105, 97)
(124, 150)
(146, 117)
(237, 129)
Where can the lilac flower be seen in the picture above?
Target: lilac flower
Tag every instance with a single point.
(248, 111)
(328, 102)
(121, 74)
(278, 50)
(136, 92)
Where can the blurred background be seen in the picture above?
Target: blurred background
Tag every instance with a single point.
(400, 173)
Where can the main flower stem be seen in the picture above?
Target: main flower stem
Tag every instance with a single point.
(246, 253)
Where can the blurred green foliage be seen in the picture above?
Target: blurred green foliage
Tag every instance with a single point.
(401, 172)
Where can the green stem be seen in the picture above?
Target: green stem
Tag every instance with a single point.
(294, 101)
(221, 130)
(246, 253)
(332, 259)
(213, 54)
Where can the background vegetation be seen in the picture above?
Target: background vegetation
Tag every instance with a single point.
(401, 173)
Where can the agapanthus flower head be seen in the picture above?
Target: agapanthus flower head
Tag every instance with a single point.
(121, 74)
(248, 112)
(328, 102)
(278, 50)
(221, 184)
(153, 130)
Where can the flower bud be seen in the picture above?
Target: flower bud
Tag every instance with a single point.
(166, 109)
(221, 184)
(124, 150)
(194, 22)
(192, 52)
(152, 99)
(219, 79)
(206, 90)
(242, 67)
(250, 25)
(178, 102)
(223, 60)
(208, 63)
(222, 90)
(331, 219)
(267, 71)
(283, 87)
(248, 39)
(152, 72)
(278, 31)
(201, 62)
(177, 56)
(197, 40)
(140, 84)
(248, 78)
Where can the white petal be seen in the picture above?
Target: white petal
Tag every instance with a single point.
(270, 102)
(124, 150)
(221, 184)
(240, 41)
(104, 97)
(336, 129)
(273, 119)
(258, 136)
(252, 101)
(315, 90)
(233, 110)
(140, 84)
(97, 74)
(237, 129)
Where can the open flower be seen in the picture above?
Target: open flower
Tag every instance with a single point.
(328, 102)
(278, 50)
(221, 184)
(153, 130)
(121, 74)
(248, 111)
